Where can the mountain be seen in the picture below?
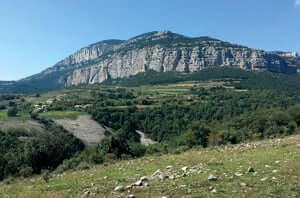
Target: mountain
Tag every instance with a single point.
(159, 51)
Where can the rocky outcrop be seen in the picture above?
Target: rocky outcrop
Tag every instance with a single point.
(165, 51)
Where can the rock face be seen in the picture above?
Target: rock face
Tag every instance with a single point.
(165, 51)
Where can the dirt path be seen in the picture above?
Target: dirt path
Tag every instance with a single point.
(144, 140)
(84, 128)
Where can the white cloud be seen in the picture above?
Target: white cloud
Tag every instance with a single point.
(297, 3)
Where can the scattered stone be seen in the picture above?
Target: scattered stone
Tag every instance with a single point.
(130, 196)
(169, 167)
(185, 169)
(129, 186)
(238, 174)
(159, 175)
(212, 178)
(138, 183)
(264, 179)
(214, 190)
(277, 162)
(119, 188)
(251, 170)
(88, 194)
(267, 166)
(275, 171)
(105, 177)
(274, 178)
(243, 184)
(143, 181)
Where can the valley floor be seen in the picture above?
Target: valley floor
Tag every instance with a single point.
(276, 164)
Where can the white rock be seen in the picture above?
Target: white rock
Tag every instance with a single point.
(251, 170)
(238, 174)
(212, 178)
(264, 179)
(214, 190)
(185, 169)
(119, 188)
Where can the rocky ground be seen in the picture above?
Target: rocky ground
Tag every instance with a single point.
(267, 168)
(27, 125)
(84, 128)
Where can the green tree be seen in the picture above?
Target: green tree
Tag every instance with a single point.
(12, 112)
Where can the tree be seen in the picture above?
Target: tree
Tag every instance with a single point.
(12, 112)
(197, 135)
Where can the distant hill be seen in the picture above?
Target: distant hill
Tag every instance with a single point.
(158, 51)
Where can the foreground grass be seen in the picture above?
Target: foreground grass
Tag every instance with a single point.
(276, 163)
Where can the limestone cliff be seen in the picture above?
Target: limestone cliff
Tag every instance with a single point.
(165, 51)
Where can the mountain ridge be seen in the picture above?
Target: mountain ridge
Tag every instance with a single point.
(159, 51)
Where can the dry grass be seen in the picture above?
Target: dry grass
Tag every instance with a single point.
(278, 160)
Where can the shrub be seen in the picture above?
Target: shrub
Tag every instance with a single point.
(11, 104)
(137, 150)
(196, 135)
(68, 164)
(12, 112)
(26, 172)
(92, 155)
(2, 107)
(83, 166)
(46, 175)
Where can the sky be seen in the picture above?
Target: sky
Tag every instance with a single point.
(35, 34)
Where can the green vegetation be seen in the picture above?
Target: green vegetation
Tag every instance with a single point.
(60, 115)
(275, 162)
(12, 112)
(45, 151)
(214, 107)
(3, 114)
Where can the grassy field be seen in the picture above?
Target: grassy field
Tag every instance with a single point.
(3, 114)
(61, 114)
(276, 163)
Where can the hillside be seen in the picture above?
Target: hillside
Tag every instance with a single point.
(159, 51)
(275, 173)
(221, 117)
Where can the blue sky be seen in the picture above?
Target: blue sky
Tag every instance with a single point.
(35, 34)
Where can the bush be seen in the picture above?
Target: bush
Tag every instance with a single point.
(92, 155)
(196, 135)
(137, 150)
(34, 115)
(46, 175)
(12, 112)
(83, 166)
(12, 104)
(68, 164)
(2, 107)
(26, 172)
